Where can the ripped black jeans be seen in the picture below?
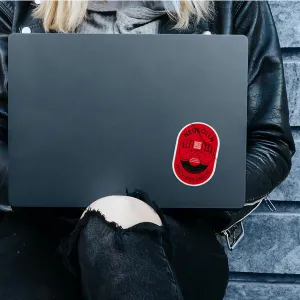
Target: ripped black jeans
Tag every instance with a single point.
(182, 260)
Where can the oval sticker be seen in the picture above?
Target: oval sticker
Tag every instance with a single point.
(196, 153)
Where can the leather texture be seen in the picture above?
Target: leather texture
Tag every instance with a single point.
(270, 144)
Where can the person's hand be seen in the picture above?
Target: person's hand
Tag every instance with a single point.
(196, 152)
(186, 149)
(206, 153)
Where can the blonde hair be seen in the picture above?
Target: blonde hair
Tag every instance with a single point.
(66, 15)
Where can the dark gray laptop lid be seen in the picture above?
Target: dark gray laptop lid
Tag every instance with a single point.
(92, 115)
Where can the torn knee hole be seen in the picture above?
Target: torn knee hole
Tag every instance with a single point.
(125, 211)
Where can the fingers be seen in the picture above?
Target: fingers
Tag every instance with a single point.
(187, 144)
(188, 147)
(202, 146)
(206, 147)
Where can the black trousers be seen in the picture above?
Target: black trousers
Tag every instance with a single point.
(182, 260)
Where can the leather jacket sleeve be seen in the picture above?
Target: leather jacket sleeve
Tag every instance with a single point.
(270, 144)
(5, 30)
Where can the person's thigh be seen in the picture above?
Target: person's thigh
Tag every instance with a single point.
(120, 254)
(132, 251)
(198, 259)
(29, 265)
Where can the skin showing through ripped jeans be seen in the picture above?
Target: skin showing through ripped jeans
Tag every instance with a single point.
(125, 211)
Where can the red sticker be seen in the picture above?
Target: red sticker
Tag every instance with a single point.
(196, 154)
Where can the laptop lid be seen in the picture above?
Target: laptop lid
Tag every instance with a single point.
(92, 115)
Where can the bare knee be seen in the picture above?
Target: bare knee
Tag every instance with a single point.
(126, 211)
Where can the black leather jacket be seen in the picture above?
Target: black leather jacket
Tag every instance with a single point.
(270, 144)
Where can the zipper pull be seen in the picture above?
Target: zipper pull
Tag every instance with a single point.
(270, 204)
(5, 208)
(234, 235)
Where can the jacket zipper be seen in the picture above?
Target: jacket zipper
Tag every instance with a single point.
(257, 201)
(264, 198)
(224, 232)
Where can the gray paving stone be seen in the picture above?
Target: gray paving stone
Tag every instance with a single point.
(262, 291)
(271, 244)
(289, 190)
(292, 77)
(286, 15)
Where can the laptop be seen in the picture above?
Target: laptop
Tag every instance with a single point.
(94, 115)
